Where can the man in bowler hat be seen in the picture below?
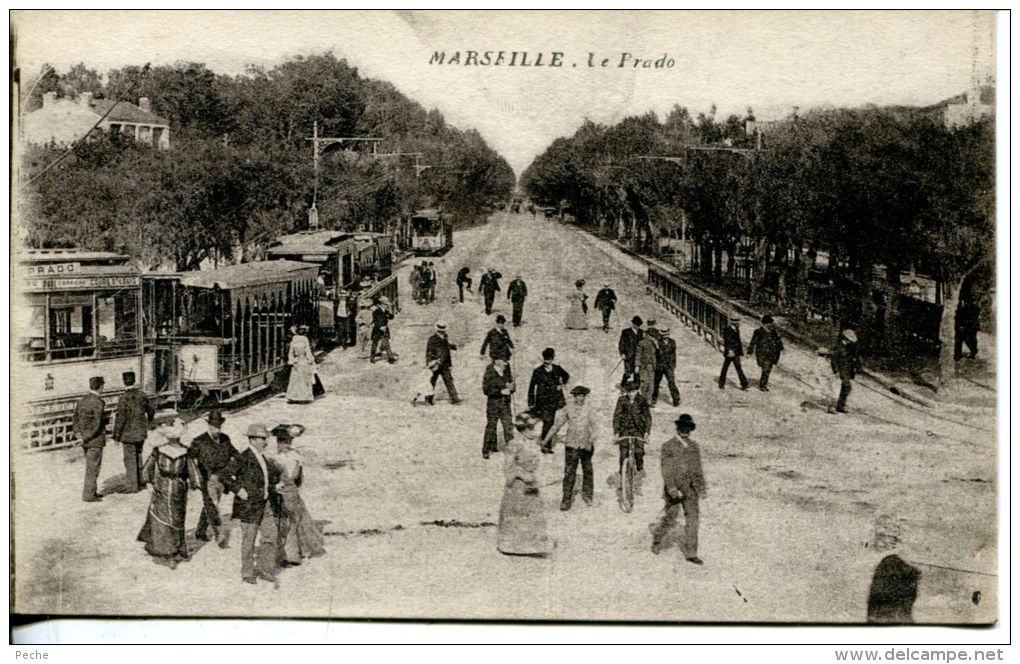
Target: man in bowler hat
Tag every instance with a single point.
(684, 487)
(213, 452)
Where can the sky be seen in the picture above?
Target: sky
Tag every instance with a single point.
(769, 61)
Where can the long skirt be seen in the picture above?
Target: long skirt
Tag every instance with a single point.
(163, 531)
(576, 318)
(522, 525)
(302, 379)
(299, 537)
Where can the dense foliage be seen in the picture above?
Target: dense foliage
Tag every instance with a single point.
(865, 187)
(239, 168)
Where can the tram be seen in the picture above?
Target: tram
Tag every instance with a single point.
(353, 267)
(430, 233)
(77, 314)
(230, 327)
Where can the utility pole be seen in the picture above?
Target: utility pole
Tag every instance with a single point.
(319, 144)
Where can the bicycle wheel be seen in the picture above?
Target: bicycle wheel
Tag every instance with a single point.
(627, 485)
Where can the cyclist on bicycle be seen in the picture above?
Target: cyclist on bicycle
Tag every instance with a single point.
(632, 418)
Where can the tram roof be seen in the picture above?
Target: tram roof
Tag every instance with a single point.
(71, 255)
(310, 242)
(428, 213)
(249, 274)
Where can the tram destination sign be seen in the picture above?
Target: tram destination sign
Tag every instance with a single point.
(79, 283)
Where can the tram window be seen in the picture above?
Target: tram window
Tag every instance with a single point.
(117, 317)
(71, 332)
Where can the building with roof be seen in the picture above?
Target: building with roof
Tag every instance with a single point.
(968, 108)
(63, 121)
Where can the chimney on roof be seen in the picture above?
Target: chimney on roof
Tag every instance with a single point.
(48, 98)
(85, 99)
(145, 104)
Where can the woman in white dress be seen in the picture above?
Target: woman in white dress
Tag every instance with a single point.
(302, 368)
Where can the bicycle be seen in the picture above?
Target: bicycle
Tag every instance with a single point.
(625, 492)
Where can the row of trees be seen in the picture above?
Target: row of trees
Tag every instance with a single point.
(239, 168)
(891, 187)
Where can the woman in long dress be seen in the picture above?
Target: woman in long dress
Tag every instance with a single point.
(522, 525)
(302, 368)
(298, 536)
(169, 472)
(577, 314)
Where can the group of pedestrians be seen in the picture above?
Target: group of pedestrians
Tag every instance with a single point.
(648, 354)
(423, 280)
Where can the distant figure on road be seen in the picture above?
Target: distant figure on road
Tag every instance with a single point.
(489, 285)
(522, 525)
(632, 418)
(497, 341)
(647, 363)
(415, 278)
(665, 367)
(433, 277)
(463, 281)
(498, 386)
(968, 322)
(89, 424)
(577, 314)
(517, 292)
(130, 429)
(545, 393)
(845, 364)
(733, 350)
(364, 323)
(766, 346)
(579, 445)
(605, 301)
(684, 487)
(627, 347)
(437, 354)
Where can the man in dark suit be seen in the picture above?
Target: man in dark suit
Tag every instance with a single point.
(665, 367)
(498, 386)
(684, 487)
(545, 393)
(845, 363)
(131, 427)
(437, 353)
(251, 477)
(489, 286)
(629, 339)
(733, 350)
(517, 292)
(605, 301)
(89, 425)
(213, 452)
(498, 341)
(381, 317)
(766, 346)
(632, 419)
(463, 280)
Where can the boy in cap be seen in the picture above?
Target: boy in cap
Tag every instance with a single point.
(684, 487)
(213, 452)
(89, 424)
(632, 419)
(579, 444)
(733, 350)
(766, 346)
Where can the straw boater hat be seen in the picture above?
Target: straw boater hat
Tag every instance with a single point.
(257, 430)
(850, 336)
(174, 433)
(734, 318)
(580, 390)
(285, 433)
(441, 326)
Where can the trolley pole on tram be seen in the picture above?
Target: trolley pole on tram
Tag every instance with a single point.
(319, 144)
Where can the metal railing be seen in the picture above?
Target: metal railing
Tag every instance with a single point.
(696, 310)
